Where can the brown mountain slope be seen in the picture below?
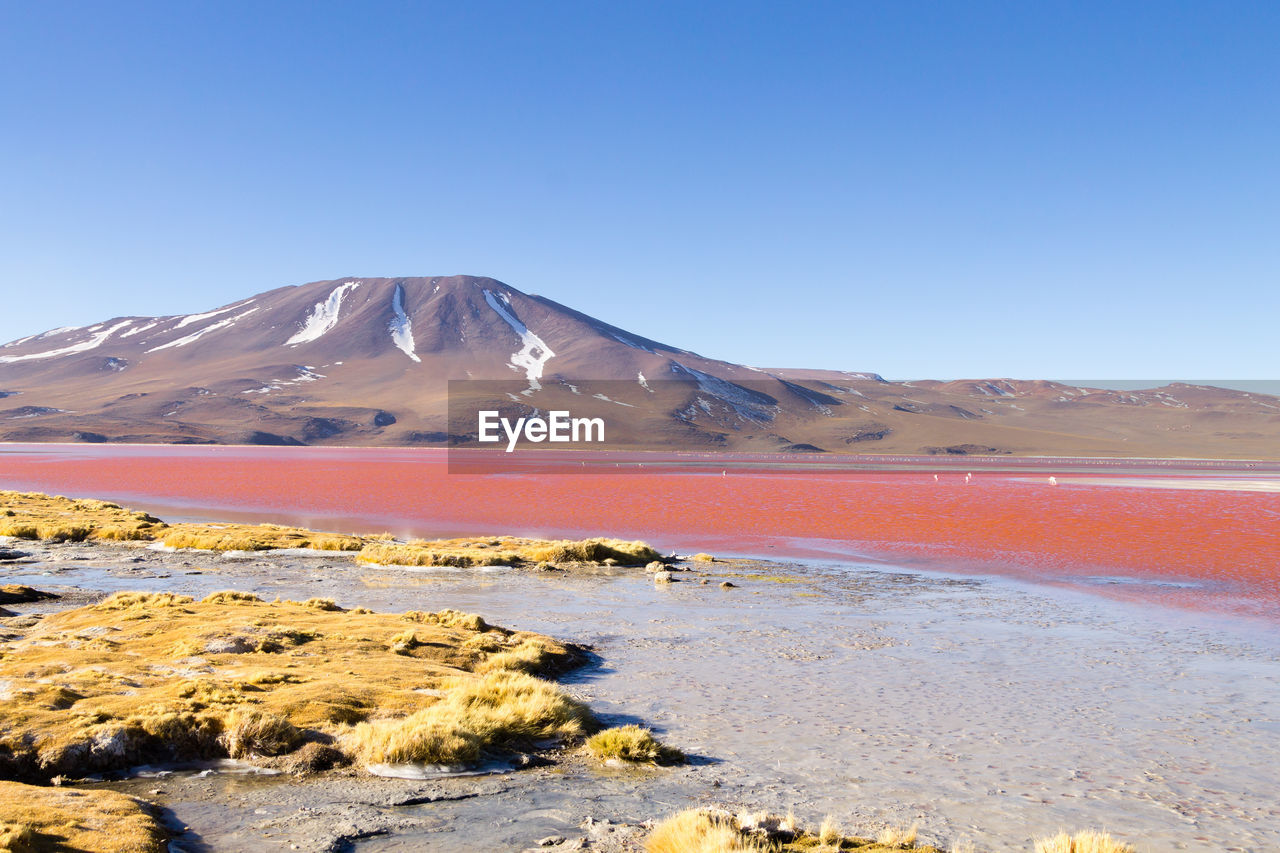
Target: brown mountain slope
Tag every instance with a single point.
(367, 361)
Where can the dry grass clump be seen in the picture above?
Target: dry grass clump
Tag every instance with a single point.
(420, 738)
(455, 553)
(16, 593)
(58, 519)
(591, 551)
(703, 830)
(230, 596)
(59, 820)
(702, 558)
(505, 551)
(142, 601)
(31, 515)
(632, 743)
(449, 618)
(529, 656)
(1089, 841)
(699, 831)
(896, 837)
(154, 677)
(496, 711)
(250, 731)
(255, 537)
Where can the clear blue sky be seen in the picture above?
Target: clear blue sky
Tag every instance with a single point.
(922, 189)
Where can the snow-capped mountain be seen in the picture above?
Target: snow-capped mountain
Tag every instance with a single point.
(367, 361)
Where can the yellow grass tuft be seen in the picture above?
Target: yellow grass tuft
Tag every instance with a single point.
(829, 834)
(529, 656)
(230, 596)
(47, 820)
(404, 642)
(19, 530)
(427, 554)
(498, 710)
(142, 600)
(421, 738)
(590, 551)
(59, 519)
(254, 732)
(702, 558)
(255, 537)
(632, 743)
(1089, 841)
(16, 593)
(897, 837)
(31, 515)
(116, 533)
(505, 551)
(698, 831)
(451, 618)
(64, 532)
(144, 677)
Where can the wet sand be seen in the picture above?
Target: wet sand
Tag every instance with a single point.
(984, 708)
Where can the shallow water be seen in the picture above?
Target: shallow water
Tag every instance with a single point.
(986, 709)
(1220, 547)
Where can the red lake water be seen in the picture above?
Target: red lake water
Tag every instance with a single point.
(1192, 534)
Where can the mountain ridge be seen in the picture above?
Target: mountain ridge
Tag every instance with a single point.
(367, 360)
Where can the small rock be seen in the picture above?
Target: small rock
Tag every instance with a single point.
(551, 841)
(727, 584)
(609, 561)
(525, 760)
(663, 577)
(704, 581)
(655, 566)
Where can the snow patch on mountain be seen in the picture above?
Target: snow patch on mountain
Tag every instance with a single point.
(643, 383)
(324, 316)
(533, 356)
(84, 346)
(200, 333)
(748, 404)
(191, 319)
(401, 328)
(140, 329)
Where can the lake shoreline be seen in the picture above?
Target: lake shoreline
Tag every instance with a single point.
(670, 656)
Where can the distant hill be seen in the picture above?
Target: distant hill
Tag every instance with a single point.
(366, 361)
